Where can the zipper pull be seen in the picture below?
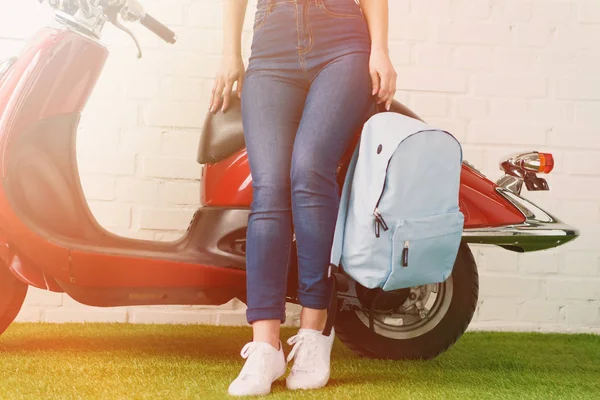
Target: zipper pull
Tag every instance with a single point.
(405, 255)
(377, 232)
(379, 218)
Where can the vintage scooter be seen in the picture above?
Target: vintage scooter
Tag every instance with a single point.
(49, 239)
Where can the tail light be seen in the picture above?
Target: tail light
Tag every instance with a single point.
(546, 163)
(519, 165)
(522, 168)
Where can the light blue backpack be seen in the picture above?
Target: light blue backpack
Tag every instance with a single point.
(399, 224)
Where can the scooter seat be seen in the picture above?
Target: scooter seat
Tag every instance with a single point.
(223, 133)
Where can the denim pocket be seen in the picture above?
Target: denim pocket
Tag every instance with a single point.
(341, 9)
(424, 250)
(260, 17)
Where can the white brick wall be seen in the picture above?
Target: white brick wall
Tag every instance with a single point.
(503, 75)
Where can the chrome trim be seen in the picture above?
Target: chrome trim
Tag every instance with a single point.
(404, 324)
(91, 25)
(540, 231)
(6, 64)
(84, 16)
(132, 11)
(511, 183)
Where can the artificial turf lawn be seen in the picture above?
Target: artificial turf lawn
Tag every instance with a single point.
(119, 361)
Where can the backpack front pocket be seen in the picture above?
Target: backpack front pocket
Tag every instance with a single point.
(424, 250)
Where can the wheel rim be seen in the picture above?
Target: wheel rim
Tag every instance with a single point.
(416, 316)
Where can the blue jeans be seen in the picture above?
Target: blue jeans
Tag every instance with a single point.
(307, 92)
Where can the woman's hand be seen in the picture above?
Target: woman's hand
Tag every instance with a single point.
(383, 76)
(232, 70)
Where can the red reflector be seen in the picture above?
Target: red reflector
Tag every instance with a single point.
(546, 163)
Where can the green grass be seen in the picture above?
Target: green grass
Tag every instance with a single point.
(114, 361)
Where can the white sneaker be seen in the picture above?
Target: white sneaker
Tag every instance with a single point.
(312, 353)
(264, 365)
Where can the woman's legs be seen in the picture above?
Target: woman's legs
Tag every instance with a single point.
(271, 111)
(272, 108)
(337, 105)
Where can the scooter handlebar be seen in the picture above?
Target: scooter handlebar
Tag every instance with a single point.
(158, 29)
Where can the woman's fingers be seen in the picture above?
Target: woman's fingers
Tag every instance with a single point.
(240, 85)
(391, 90)
(388, 88)
(227, 95)
(212, 95)
(216, 94)
(375, 82)
(222, 91)
(384, 89)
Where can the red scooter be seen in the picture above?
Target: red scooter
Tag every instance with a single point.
(50, 240)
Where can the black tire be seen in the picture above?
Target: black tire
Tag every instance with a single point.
(12, 295)
(357, 336)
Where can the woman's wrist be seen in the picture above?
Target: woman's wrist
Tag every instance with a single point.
(379, 48)
(234, 55)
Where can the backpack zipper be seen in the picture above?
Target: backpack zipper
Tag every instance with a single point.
(379, 221)
(405, 254)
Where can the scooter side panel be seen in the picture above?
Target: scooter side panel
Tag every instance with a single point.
(227, 183)
(54, 75)
(32, 276)
(130, 271)
(482, 205)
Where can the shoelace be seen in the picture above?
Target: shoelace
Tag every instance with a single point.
(254, 365)
(304, 344)
(248, 349)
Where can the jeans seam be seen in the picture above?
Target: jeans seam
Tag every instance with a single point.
(263, 22)
(336, 15)
(304, 66)
(297, 32)
(287, 264)
(310, 35)
(268, 310)
(305, 296)
(298, 49)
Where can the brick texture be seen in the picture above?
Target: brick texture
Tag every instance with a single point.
(504, 76)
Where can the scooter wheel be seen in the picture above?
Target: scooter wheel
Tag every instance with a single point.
(413, 335)
(12, 295)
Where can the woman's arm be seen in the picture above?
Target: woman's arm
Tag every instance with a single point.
(234, 12)
(382, 71)
(232, 67)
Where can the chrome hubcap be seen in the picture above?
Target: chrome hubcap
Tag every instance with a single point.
(421, 312)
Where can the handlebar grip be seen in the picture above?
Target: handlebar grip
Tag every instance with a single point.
(158, 29)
